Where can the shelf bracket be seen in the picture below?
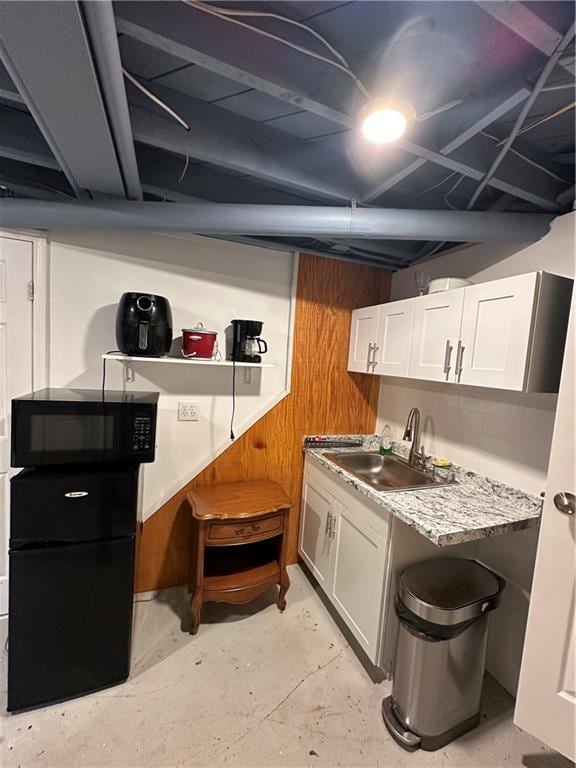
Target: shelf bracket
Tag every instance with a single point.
(129, 374)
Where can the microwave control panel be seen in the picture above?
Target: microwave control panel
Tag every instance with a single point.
(142, 434)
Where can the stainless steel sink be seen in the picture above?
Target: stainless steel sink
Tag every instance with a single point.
(385, 473)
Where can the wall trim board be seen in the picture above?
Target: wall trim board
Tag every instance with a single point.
(40, 324)
(322, 398)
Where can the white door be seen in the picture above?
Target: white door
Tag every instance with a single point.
(546, 702)
(16, 270)
(435, 336)
(363, 331)
(394, 338)
(317, 530)
(495, 335)
(359, 576)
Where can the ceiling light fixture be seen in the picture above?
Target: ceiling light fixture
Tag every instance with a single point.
(385, 120)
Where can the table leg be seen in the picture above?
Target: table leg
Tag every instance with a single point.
(284, 587)
(195, 609)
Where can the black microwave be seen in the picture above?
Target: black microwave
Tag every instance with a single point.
(83, 426)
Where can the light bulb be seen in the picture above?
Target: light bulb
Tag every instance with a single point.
(385, 121)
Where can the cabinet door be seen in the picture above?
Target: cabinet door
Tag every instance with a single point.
(359, 578)
(436, 332)
(394, 338)
(496, 329)
(363, 330)
(317, 526)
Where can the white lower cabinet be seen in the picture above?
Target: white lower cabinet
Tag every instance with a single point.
(344, 542)
(356, 551)
(359, 574)
(316, 526)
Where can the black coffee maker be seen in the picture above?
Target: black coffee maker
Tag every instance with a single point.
(246, 344)
(144, 325)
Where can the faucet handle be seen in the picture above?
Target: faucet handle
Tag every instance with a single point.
(422, 458)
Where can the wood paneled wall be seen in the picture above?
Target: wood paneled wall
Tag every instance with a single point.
(324, 399)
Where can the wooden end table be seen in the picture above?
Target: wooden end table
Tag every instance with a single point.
(239, 542)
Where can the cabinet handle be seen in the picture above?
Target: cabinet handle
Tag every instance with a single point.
(447, 356)
(375, 349)
(368, 361)
(327, 526)
(459, 358)
(332, 530)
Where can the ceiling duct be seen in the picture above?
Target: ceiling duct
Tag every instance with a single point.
(277, 220)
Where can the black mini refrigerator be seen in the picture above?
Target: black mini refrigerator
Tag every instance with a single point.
(72, 537)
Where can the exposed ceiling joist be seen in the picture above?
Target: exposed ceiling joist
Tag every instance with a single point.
(156, 32)
(7, 89)
(566, 197)
(231, 141)
(53, 67)
(101, 28)
(527, 25)
(565, 158)
(531, 192)
(20, 139)
(483, 122)
(33, 181)
(384, 249)
(192, 55)
(170, 172)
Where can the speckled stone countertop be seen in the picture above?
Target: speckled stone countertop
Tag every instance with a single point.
(475, 507)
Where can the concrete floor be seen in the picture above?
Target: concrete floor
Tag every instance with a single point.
(253, 688)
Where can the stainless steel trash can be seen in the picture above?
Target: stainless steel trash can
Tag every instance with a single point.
(442, 607)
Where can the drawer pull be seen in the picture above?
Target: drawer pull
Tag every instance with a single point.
(254, 528)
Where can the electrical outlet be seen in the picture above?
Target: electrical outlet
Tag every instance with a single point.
(188, 411)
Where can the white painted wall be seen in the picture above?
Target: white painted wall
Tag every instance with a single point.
(555, 253)
(205, 280)
(504, 435)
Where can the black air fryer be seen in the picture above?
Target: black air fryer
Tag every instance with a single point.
(144, 325)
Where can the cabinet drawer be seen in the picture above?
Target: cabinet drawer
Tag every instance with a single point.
(232, 533)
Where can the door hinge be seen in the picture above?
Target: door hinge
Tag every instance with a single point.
(30, 290)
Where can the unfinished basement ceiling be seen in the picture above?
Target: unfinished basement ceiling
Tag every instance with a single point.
(269, 124)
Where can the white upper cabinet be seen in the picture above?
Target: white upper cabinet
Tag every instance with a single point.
(506, 334)
(496, 330)
(363, 333)
(435, 334)
(393, 341)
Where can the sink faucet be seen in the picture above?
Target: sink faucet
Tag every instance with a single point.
(412, 432)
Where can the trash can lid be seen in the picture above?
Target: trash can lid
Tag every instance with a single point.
(449, 590)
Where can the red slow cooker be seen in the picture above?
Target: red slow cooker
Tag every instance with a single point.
(199, 343)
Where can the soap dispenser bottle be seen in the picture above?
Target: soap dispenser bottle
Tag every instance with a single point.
(386, 439)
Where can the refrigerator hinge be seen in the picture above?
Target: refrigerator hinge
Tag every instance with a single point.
(30, 290)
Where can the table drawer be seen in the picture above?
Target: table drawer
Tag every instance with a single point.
(229, 533)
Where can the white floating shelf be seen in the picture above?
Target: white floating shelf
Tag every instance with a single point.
(182, 361)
